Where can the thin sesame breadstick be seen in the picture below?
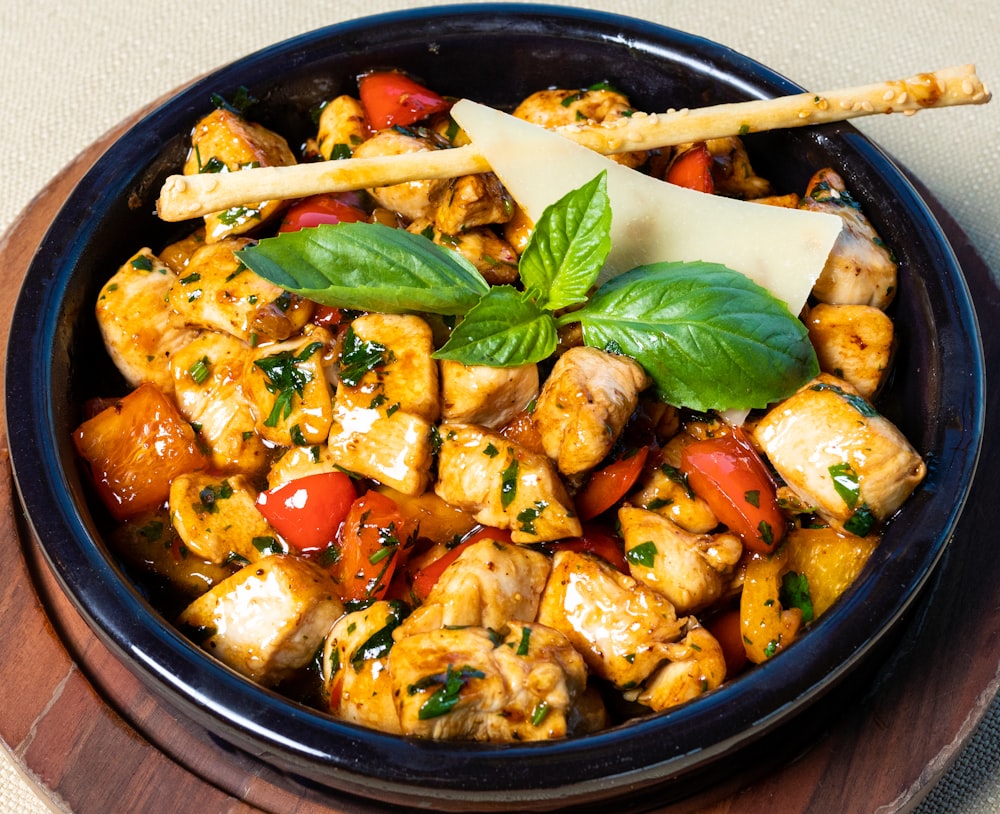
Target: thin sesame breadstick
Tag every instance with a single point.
(189, 196)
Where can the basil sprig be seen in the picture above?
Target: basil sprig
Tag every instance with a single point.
(708, 336)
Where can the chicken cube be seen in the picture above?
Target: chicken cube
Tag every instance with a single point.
(468, 201)
(208, 389)
(298, 462)
(691, 570)
(135, 321)
(218, 293)
(663, 490)
(694, 666)
(411, 199)
(343, 125)
(622, 629)
(852, 342)
(584, 405)
(493, 257)
(487, 396)
(268, 619)
(489, 585)
(860, 269)
(503, 485)
(218, 518)
(464, 684)
(223, 141)
(838, 454)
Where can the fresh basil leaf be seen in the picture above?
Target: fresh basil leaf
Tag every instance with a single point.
(708, 336)
(568, 246)
(368, 267)
(504, 330)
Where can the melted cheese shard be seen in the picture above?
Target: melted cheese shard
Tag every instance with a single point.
(783, 250)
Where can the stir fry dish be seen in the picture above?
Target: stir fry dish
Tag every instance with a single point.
(410, 455)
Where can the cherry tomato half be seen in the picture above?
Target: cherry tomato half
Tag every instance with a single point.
(609, 485)
(319, 209)
(393, 99)
(693, 170)
(372, 542)
(307, 512)
(729, 475)
(728, 632)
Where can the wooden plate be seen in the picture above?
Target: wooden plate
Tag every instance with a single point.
(94, 738)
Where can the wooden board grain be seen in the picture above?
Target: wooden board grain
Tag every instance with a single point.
(94, 739)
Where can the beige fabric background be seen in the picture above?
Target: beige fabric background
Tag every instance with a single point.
(72, 69)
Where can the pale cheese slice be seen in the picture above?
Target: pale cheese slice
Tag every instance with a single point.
(783, 250)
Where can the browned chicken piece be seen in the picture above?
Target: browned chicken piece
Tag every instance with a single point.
(223, 141)
(731, 170)
(218, 293)
(561, 107)
(208, 390)
(387, 401)
(503, 485)
(487, 396)
(464, 684)
(622, 628)
(489, 585)
(434, 520)
(412, 199)
(662, 490)
(298, 462)
(136, 323)
(839, 455)
(469, 201)
(492, 256)
(854, 343)
(178, 253)
(694, 666)
(788, 201)
(584, 405)
(217, 518)
(294, 604)
(288, 390)
(517, 231)
(860, 269)
(342, 127)
(356, 682)
(691, 570)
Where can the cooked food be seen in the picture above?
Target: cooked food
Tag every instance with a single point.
(418, 456)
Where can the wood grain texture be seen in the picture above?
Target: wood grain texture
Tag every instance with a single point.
(88, 731)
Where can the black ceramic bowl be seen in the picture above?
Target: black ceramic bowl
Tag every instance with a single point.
(497, 55)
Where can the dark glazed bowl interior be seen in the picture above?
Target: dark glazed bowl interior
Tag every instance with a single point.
(496, 55)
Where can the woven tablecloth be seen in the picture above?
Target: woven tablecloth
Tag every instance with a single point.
(73, 69)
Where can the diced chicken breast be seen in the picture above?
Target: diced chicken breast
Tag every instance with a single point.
(268, 619)
(860, 269)
(489, 585)
(691, 570)
(852, 342)
(135, 321)
(208, 389)
(217, 292)
(218, 520)
(662, 490)
(839, 455)
(412, 199)
(487, 396)
(223, 141)
(356, 681)
(503, 485)
(288, 389)
(343, 125)
(463, 684)
(622, 628)
(297, 462)
(492, 256)
(694, 666)
(731, 171)
(178, 254)
(584, 405)
(468, 201)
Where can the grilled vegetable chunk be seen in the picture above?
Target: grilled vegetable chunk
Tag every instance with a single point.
(386, 402)
(691, 570)
(860, 269)
(852, 342)
(217, 519)
(503, 485)
(135, 322)
(584, 405)
(223, 141)
(294, 606)
(839, 455)
(219, 293)
(464, 684)
(622, 628)
(356, 680)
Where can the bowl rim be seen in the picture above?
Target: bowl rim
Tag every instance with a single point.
(122, 618)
